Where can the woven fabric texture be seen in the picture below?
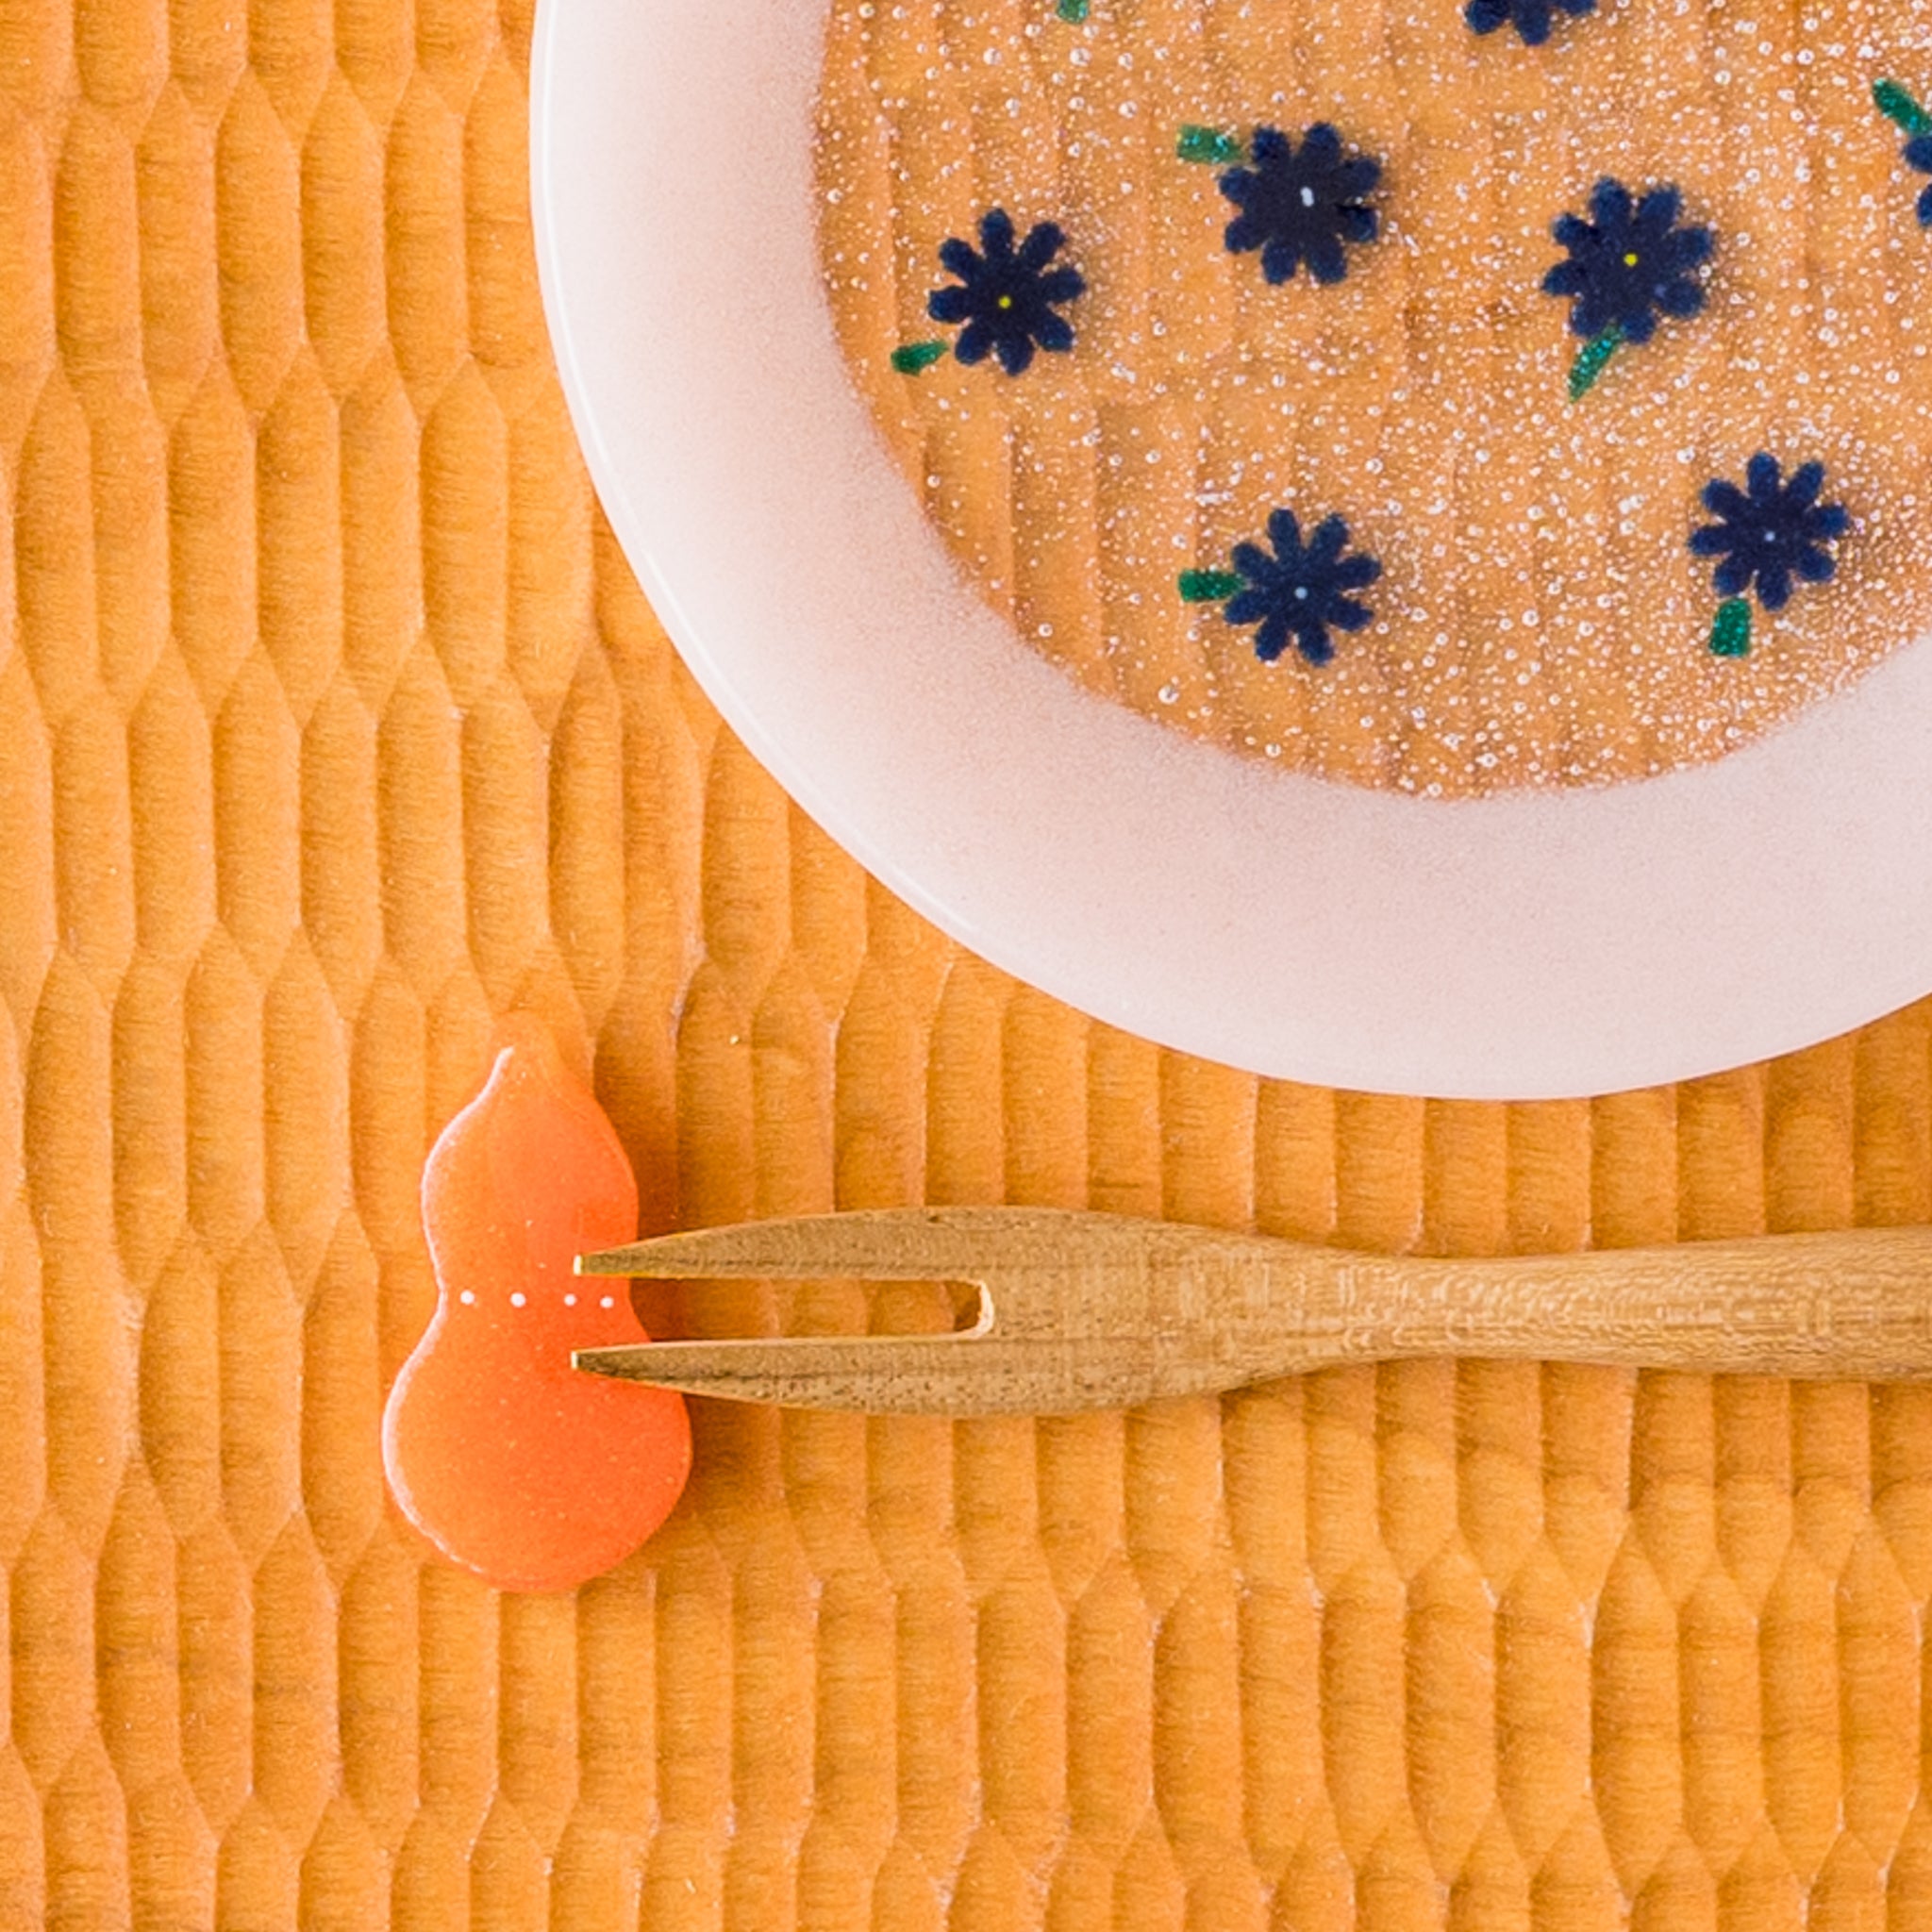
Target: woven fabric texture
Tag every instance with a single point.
(332, 726)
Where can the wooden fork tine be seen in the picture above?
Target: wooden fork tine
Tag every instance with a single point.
(868, 1372)
(970, 1372)
(884, 1244)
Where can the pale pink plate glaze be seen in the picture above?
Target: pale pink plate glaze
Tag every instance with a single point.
(1530, 946)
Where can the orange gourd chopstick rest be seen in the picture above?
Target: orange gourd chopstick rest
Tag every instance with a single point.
(517, 1466)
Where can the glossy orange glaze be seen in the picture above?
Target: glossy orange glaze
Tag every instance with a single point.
(515, 1465)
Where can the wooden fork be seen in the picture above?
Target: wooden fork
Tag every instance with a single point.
(1099, 1311)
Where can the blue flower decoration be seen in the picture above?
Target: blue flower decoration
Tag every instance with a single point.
(1771, 530)
(1629, 262)
(1531, 17)
(1006, 296)
(1299, 207)
(1918, 154)
(1299, 591)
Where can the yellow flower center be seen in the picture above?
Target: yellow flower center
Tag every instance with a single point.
(1629, 261)
(1006, 301)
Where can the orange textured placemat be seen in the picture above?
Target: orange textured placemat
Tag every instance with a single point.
(331, 723)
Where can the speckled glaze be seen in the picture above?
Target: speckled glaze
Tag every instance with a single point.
(1540, 622)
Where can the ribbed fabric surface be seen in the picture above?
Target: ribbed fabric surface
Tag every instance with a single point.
(332, 726)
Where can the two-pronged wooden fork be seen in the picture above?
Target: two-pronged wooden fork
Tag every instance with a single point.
(1098, 1312)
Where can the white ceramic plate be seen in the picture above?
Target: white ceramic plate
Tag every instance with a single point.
(1521, 947)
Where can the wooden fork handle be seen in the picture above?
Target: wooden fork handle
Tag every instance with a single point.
(1856, 1304)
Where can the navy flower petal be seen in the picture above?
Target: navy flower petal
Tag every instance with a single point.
(1630, 262)
(1300, 204)
(1327, 262)
(1271, 639)
(1279, 261)
(1325, 544)
(1771, 531)
(1807, 479)
(1531, 17)
(1061, 284)
(1054, 332)
(1692, 247)
(1725, 500)
(959, 258)
(1638, 327)
(1681, 298)
(1321, 145)
(1918, 154)
(1015, 352)
(1042, 243)
(1007, 297)
(1610, 205)
(1245, 232)
(1660, 209)
(975, 341)
(996, 235)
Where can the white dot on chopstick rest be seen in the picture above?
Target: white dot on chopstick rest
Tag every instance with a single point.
(607, 1303)
(467, 1297)
(516, 1301)
(569, 1301)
